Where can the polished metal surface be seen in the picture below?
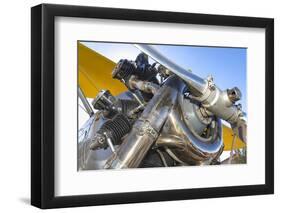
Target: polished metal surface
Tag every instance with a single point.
(147, 128)
(88, 158)
(182, 119)
(164, 112)
(184, 135)
(145, 86)
(190, 148)
(204, 91)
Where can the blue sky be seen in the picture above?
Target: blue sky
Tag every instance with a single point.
(226, 65)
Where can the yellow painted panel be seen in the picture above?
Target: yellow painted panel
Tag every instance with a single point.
(228, 137)
(95, 73)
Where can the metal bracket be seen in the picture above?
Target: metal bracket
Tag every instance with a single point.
(146, 128)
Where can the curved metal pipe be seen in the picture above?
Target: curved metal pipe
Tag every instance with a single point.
(197, 150)
(171, 141)
(179, 135)
(147, 128)
(145, 86)
(194, 150)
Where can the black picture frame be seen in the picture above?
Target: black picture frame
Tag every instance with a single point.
(43, 105)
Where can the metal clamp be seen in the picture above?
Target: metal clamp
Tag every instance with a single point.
(146, 128)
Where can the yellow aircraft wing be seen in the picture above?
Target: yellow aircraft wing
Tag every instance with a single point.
(95, 74)
(228, 138)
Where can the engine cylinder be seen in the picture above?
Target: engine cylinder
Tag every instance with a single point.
(116, 128)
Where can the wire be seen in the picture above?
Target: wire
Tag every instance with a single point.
(162, 157)
(172, 155)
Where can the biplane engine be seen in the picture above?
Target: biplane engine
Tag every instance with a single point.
(167, 112)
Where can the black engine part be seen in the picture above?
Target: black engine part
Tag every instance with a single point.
(145, 71)
(116, 128)
(124, 70)
(153, 159)
(107, 102)
(140, 68)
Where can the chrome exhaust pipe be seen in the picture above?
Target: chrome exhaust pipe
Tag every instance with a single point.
(146, 129)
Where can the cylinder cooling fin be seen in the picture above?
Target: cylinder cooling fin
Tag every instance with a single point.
(124, 70)
(116, 128)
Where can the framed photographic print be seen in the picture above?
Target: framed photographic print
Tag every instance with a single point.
(140, 106)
